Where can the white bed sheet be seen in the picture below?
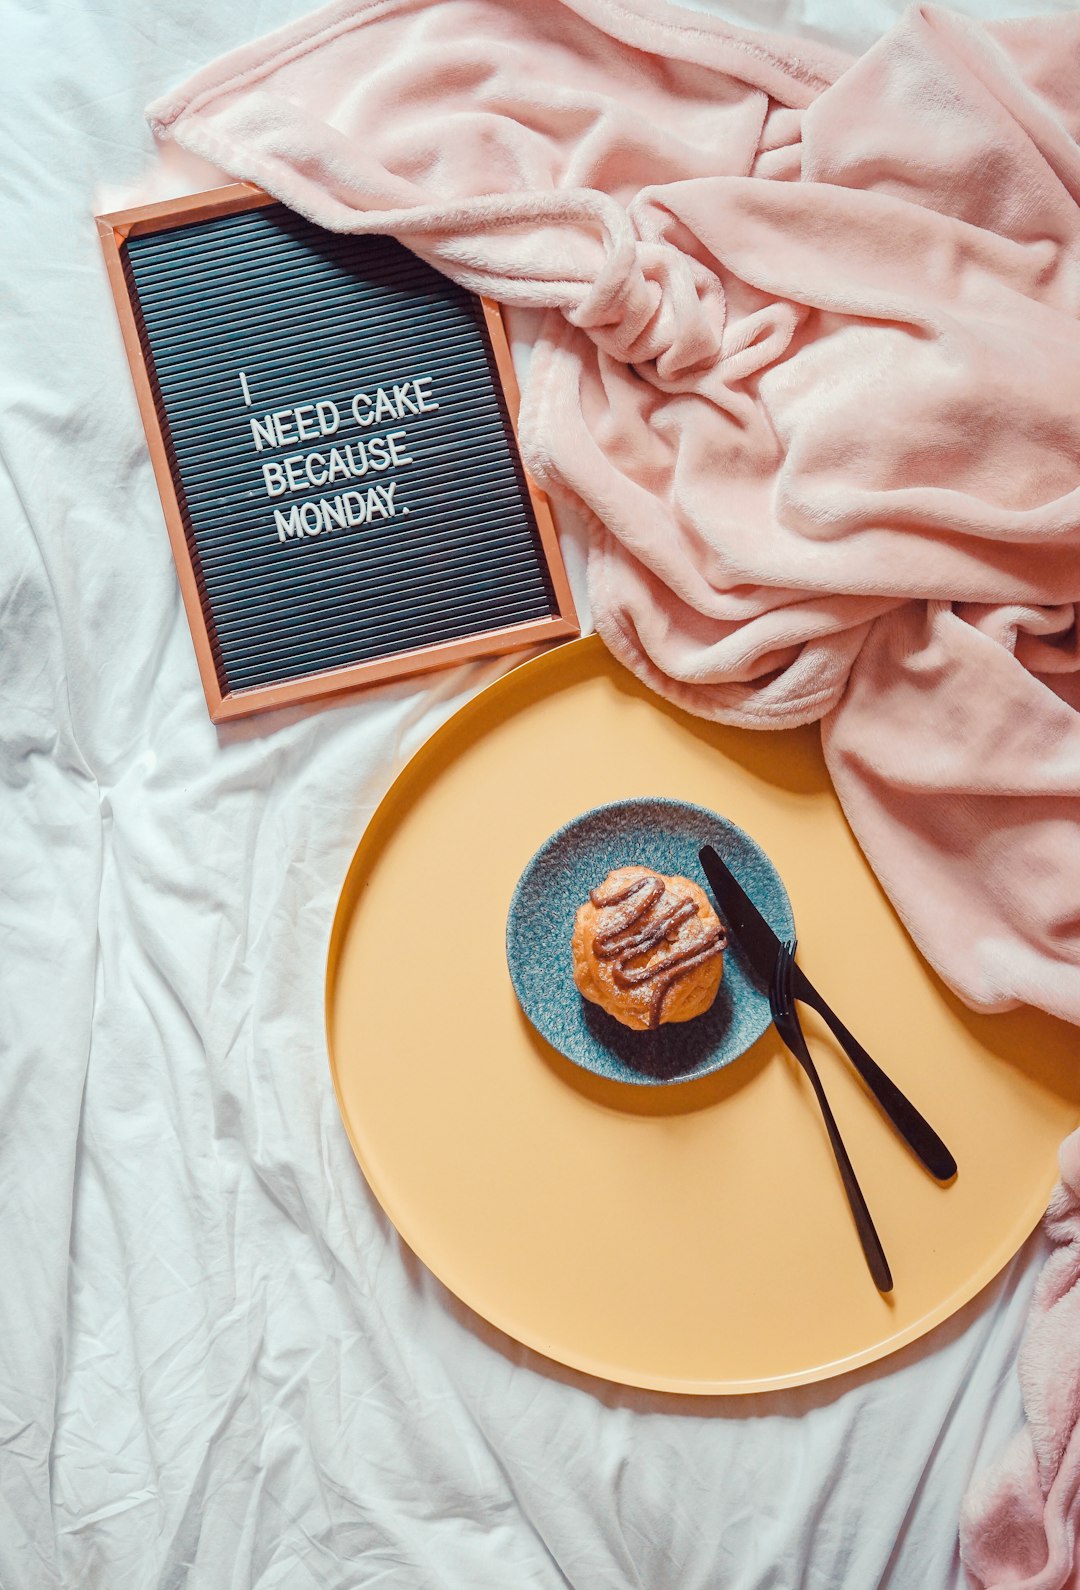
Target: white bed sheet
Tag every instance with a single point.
(219, 1367)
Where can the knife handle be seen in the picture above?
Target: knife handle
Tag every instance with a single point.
(916, 1131)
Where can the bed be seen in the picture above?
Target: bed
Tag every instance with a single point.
(220, 1366)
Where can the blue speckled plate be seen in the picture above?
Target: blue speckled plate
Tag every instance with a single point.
(651, 832)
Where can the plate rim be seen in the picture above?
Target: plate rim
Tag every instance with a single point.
(569, 827)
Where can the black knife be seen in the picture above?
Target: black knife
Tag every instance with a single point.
(762, 946)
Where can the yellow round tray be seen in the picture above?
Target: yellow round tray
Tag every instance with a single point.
(691, 1238)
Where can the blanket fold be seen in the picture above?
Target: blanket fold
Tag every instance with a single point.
(811, 363)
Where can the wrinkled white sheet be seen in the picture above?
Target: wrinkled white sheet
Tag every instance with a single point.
(219, 1368)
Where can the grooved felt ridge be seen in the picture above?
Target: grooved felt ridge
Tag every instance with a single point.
(308, 315)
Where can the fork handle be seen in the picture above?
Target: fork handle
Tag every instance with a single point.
(871, 1242)
(913, 1127)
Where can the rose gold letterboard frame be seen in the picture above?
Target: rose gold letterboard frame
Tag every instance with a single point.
(332, 426)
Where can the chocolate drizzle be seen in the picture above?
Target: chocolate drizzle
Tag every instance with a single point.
(650, 916)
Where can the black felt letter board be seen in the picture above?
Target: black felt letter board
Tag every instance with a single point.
(340, 446)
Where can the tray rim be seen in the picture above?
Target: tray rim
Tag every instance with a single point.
(382, 819)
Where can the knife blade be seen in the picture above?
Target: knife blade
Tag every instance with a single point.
(762, 946)
(741, 915)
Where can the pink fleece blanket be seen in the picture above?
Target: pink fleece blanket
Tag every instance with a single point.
(811, 362)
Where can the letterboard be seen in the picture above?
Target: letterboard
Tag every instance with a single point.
(332, 426)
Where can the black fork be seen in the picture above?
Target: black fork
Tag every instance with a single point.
(787, 1025)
